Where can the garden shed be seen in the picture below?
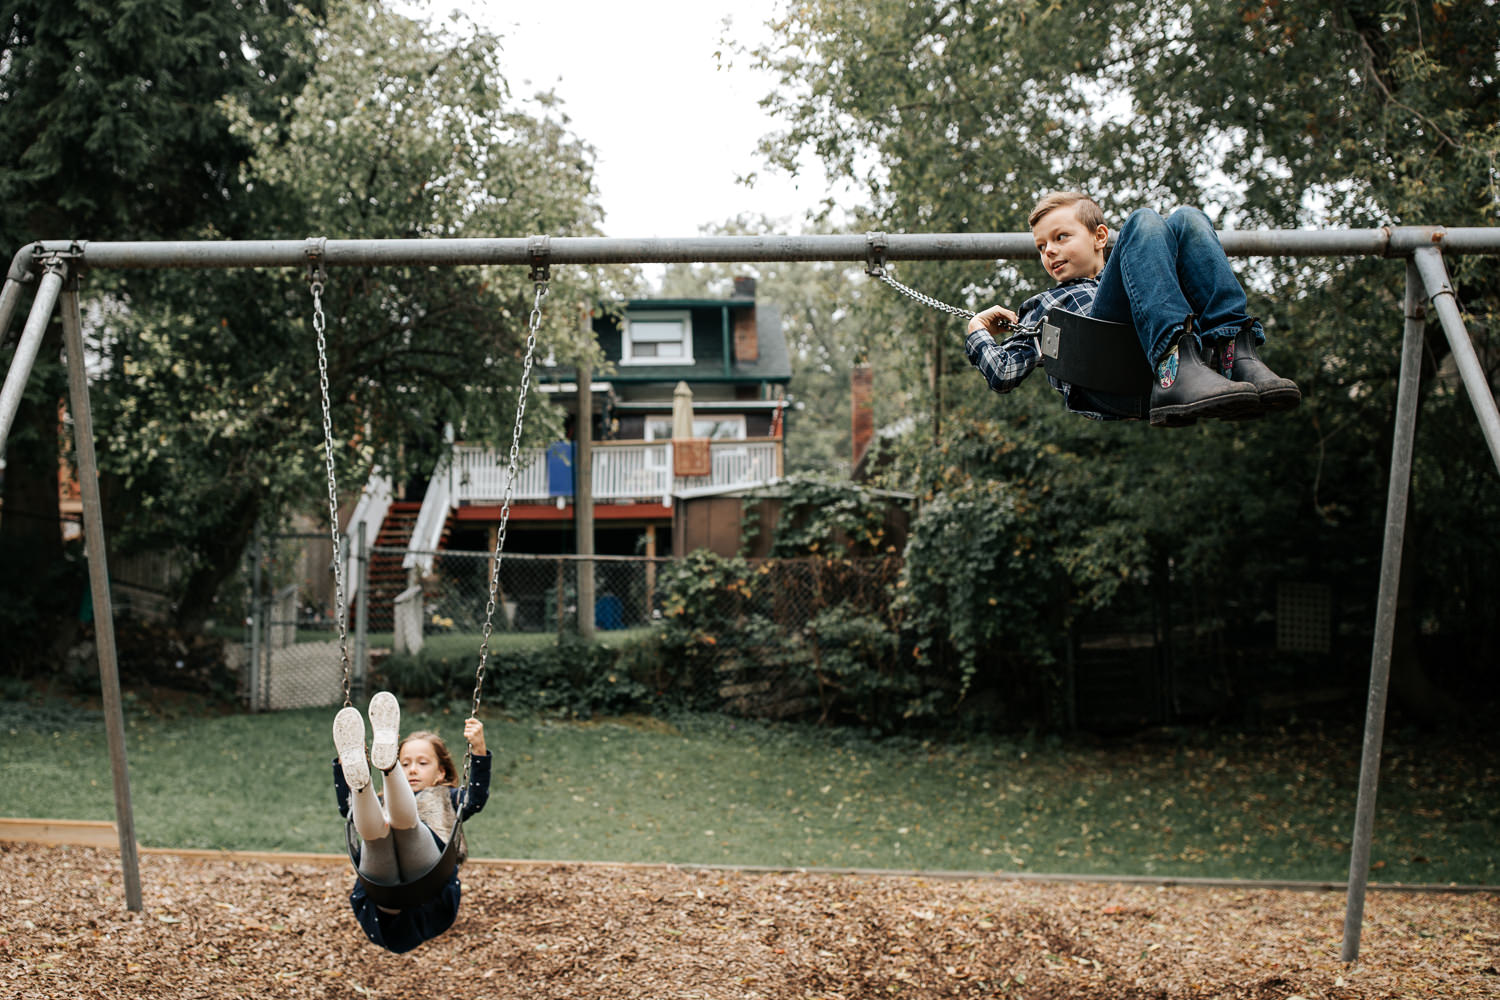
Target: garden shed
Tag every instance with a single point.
(715, 518)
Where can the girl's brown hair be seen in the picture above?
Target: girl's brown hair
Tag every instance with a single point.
(444, 758)
(1087, 209)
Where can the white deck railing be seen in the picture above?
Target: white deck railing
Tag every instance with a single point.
(479, 475)
(737, 463)
(633, 471)
(637, 470)
(369, 512)
(427, 533)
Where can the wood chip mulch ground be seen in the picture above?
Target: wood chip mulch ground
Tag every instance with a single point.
(230, 928)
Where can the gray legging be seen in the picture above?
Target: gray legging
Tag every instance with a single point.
(397, 844)
(402, 854)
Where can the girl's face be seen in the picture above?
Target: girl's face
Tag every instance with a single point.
(419, 761)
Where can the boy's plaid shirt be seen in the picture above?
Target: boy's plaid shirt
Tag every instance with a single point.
(1004, 365)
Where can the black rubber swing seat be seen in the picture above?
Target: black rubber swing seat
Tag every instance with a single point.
(410, 891)
(1096, 354)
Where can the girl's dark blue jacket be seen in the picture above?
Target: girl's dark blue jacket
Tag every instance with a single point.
(405, 929)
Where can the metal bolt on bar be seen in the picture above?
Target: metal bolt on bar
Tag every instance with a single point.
(539, 253)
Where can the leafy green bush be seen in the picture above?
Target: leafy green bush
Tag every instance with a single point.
(570, 677)
(853, 659)
(811, 631)
(826, 518)
(970, 622)
(986, 599)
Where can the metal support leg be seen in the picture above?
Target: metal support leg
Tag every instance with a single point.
(1429, 261)
(255, 684)
(104, 620)
(31, 343)
(1385, 611)
(10, 294)
(362, 613)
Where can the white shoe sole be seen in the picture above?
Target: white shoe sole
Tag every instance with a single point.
(349, 737)
(385, 720)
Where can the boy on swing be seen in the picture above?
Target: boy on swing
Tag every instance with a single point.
(1170, 280)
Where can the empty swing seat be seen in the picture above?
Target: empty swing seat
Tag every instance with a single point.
(1098, 356)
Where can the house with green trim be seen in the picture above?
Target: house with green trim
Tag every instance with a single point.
(720, 366)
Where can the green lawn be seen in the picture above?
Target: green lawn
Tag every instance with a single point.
(714, 790)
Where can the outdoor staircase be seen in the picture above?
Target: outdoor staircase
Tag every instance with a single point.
(387, 576)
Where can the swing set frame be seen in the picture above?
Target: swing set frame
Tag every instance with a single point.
(55, 268)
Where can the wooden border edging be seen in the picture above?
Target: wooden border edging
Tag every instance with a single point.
(75, 832)
(93, 833)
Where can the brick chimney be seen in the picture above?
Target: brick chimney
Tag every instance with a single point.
(862, 424)
(746, 338)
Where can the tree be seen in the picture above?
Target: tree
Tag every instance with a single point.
(212, 410)
(955, 117)
(111, 130)
(366, 125)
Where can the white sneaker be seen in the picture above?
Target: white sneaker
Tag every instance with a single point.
(385, 720)
(349, 737)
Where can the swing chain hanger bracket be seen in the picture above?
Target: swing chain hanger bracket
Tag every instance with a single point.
(876, 245)
(57, 263)
(313, 251)
(539, 250)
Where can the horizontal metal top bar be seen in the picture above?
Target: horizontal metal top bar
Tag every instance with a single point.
(1382, 242)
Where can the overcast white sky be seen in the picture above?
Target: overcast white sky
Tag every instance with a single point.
(673, 124)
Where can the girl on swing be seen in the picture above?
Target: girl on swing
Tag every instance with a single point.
(404, 838)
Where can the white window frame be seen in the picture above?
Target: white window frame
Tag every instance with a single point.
(627, 340)
(659, 427)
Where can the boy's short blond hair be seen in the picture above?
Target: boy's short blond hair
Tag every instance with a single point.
(1087, 209)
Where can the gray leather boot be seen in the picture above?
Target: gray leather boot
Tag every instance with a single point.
(1187, 389)
(1240, 360)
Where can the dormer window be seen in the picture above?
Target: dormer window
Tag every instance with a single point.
(657, 338)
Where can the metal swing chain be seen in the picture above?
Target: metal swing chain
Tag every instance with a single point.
(534, 325)
(320, 324)
(927, 300)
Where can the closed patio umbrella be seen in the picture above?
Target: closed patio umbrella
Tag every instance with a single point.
(682, 412)
(690, 456)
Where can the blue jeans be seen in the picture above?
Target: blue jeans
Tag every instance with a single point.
(1161, 271)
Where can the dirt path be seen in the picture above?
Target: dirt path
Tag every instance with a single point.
(218, 928)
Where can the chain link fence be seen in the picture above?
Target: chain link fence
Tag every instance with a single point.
(292, 657)
(767, 638)
(402, 602)
(448, 593)
(759, 640)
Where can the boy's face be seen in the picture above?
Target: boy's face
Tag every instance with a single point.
(1067, 247)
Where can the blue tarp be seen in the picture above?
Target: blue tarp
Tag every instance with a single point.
(560, 469)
